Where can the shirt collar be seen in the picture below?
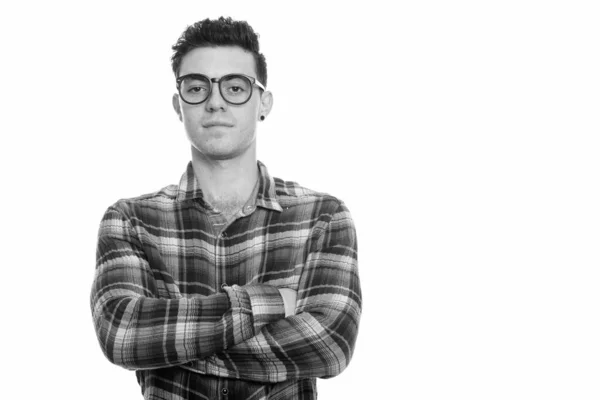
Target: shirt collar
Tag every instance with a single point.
(266, 196)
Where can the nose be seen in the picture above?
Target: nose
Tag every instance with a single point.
(215, 101)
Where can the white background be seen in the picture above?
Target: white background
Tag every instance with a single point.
(463, 136)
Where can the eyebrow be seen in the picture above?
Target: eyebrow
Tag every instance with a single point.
(229, 73)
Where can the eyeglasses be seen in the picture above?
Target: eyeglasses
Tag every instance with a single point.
(234, 88)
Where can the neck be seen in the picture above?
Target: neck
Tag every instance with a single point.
(226, 183)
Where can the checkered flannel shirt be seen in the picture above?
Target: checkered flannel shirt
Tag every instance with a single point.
(194, 309)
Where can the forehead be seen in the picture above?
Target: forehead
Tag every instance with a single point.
(215, 62)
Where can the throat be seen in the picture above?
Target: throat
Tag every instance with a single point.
(228, 206)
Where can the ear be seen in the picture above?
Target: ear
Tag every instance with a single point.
(266, 103)
(177, 106)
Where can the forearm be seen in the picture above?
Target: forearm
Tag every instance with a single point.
(136, 330)
(143, 332)
(139, 331)
(302, 346)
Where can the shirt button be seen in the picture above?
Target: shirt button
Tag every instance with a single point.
(249, 208)
(225, 391)
(224, 234)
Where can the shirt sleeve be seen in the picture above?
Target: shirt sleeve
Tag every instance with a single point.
(141, 319)
(319, 340)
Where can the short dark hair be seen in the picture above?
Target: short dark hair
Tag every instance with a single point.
(220, 32)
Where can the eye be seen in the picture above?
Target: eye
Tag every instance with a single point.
(236, 89)
(196, 89)
(235, 85)
(195, 86)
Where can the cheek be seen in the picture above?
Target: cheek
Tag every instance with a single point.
(190, 117)
(247, 120)
(247, 124)
(187, 120)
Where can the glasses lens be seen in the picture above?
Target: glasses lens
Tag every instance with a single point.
(194, 89)
(236, 89)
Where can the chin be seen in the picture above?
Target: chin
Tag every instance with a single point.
(217, 152)
(219, 147)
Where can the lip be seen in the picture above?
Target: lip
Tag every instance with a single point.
(208, 124)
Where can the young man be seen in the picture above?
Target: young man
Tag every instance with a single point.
(232, 284)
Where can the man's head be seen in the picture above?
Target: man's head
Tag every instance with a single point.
(220, 32)
(220, 113)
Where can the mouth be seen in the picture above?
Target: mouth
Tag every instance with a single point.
(209, 124)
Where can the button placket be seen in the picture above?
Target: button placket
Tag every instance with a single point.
(219, 253)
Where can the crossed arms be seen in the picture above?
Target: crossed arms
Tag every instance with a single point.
(142, 322)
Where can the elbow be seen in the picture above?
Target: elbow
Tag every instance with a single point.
(112, 336)
(341, 353)
(338, 344)
(112, 347)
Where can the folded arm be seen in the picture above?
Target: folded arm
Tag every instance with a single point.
(319, 340)
(143, 322)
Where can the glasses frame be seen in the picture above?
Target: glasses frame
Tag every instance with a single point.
(253, 81)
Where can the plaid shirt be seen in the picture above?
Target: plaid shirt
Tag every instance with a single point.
(192, 305)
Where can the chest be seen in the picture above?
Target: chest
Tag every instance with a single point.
(198, 257)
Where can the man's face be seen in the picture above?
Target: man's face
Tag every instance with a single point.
(219, 130)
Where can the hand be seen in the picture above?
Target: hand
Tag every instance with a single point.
(289, 300)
